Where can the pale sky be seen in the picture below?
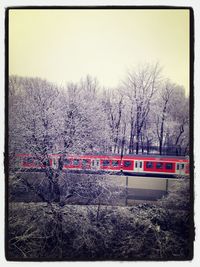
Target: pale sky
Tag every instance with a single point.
(66, 45)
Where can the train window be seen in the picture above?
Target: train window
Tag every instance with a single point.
(37, 162)
(149, 165)
(76, 162)
(85, 162)
(115, 163)
(127, 163)
(136, 164)
(159, 165)
(93, 163)
(140, 164)
(46, 162)
(106, 162)
(29, 160)
(180, 166)
(67, 161)
(168, 166)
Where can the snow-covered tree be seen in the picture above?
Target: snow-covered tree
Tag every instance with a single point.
(113, 103)
(165, 95)
(140, 87)
(179, 110)
(171, 119)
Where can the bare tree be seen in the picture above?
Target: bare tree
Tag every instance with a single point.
(171, 114)
(43, 119)
(113, 103)
(141, 86)
(165, 96)
(180, 136)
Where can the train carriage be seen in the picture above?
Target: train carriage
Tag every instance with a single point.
(93, 163)
(128, 164)
(159, 165)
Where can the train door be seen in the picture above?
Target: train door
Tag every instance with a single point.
(138, 167)
(180, 168)
(54, 163)
(95, 164)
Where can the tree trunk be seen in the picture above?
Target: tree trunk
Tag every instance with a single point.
(137, 140)
(137, 147)
(57, 194)
(138, 128)
(160, 146)
(142, 144)
(131, 142)
(148, 146)
(162, 128)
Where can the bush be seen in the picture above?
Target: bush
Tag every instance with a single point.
(179, 195)
(74, 232)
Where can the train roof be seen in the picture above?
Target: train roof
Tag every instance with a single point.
(116, 156)
(154, 156)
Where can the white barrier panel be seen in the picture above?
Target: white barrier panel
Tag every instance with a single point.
(139, 182)
(147, 183)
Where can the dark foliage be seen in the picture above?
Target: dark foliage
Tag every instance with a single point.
(39, 230)
(126, 233)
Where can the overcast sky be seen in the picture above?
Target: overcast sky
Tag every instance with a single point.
(66, 45)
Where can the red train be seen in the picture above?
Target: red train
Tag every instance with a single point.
(131, 164)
